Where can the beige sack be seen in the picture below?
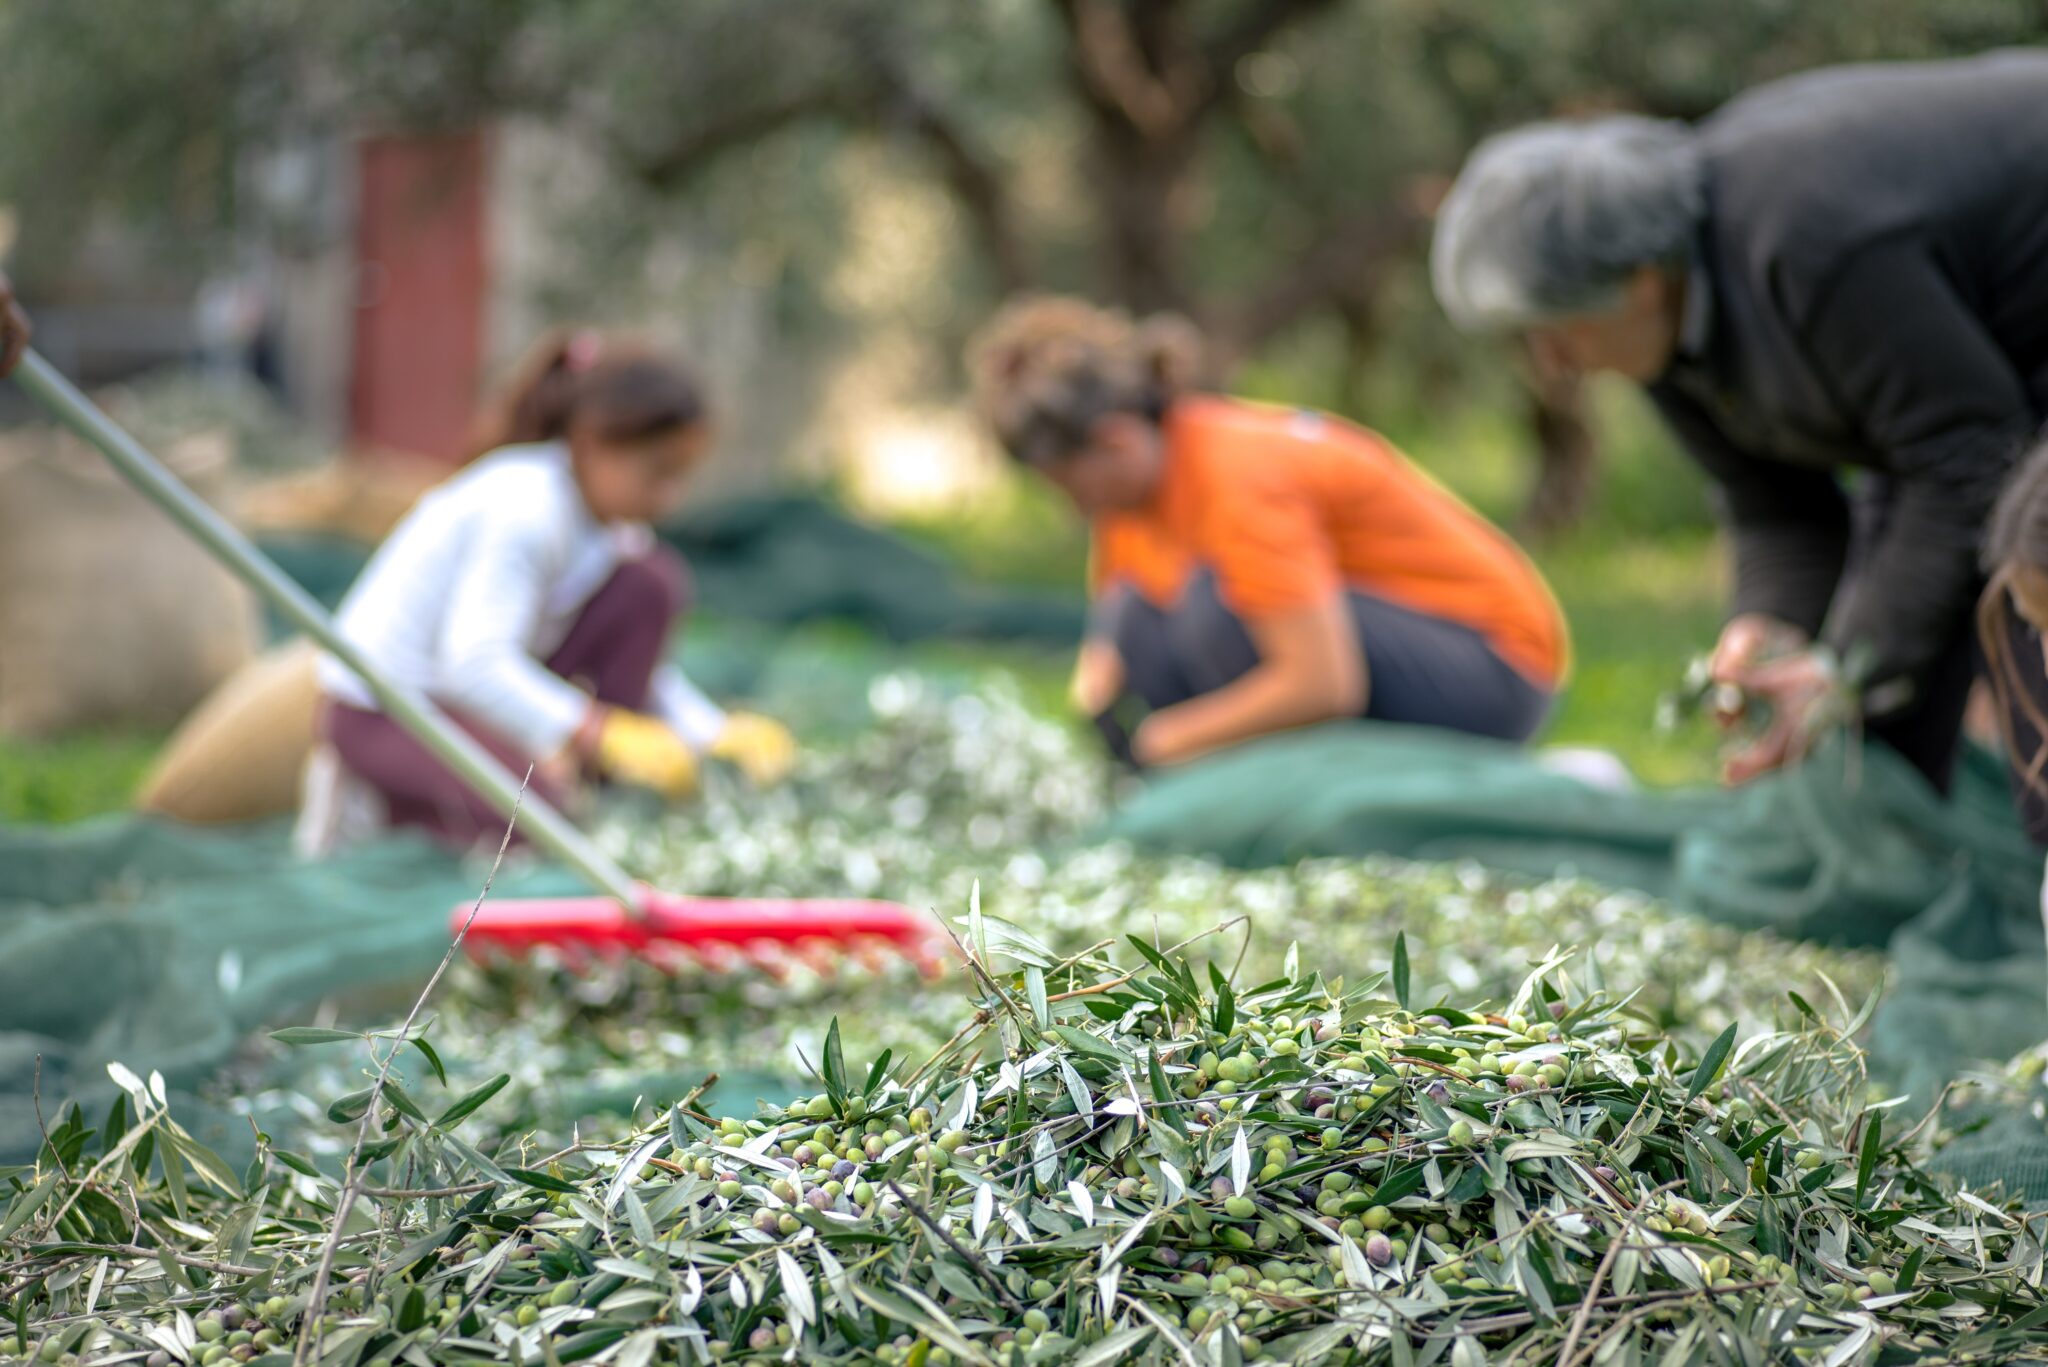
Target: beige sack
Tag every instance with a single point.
(109, 614)
(239, 755)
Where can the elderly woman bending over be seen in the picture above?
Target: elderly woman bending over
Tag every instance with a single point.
(1846, 271)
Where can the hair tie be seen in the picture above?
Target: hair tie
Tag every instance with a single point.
(582, 351)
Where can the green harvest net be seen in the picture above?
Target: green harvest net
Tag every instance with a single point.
(164, 947)
(780, 561)
(1850, 848)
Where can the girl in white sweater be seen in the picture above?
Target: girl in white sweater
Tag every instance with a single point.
(529, 597)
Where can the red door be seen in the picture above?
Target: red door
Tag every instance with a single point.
(418, 346)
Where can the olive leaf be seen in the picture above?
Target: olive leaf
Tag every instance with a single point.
(300, 1035)
(1709, 1066)
(1401, 969)
(1873, 1146)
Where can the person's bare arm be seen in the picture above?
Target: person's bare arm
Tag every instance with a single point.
(1310, 669)
(1098, 677)
(14, 329)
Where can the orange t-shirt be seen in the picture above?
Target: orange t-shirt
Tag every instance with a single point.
(1286, 507)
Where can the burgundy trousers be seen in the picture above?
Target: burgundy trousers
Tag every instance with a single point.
(611, 650)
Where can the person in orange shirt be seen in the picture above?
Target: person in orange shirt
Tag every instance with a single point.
(1258, 568)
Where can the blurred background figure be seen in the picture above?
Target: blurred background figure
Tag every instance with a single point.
(236, 329)
(1256, 568)
(529, 598)
(14, 328)
(1845, 270)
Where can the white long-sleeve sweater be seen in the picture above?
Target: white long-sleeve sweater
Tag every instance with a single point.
(480, 583)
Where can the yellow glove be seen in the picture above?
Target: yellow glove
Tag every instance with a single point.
(644, 752)
(761, 747)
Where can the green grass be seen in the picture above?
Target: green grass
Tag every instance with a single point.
(1639, 610)
(72, 777)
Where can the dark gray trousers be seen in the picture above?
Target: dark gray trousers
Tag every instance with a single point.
(1420, 669)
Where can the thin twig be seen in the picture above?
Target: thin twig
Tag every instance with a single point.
(476, 1297)
(36, 1097)
(184, 1259)
(980, 1019)
(1171, 949)
(359, 1171)
(1584, 1316)
(967, 1255)
(428, 1193)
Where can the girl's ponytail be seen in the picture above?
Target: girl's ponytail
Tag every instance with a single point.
(576, 375)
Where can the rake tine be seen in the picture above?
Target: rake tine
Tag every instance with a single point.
(871, 952)
(769, 957)
(668, 956)
(823, 957)
(717, 957)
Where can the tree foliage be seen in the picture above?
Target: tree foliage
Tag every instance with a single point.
(1252, 162)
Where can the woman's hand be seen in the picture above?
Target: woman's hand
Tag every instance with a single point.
(1748, 641)
(14, 329)
(645, 752)
(759, 747)
(1311, 668)
(1798, 688)
(1772, 661)
(1098, 678)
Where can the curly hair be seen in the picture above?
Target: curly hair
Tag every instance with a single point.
(1046, 369)
(2017, 538)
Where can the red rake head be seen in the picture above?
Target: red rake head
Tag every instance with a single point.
(771, 932)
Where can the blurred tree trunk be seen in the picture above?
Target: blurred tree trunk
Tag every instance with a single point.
(1568, 457)
(1151, 79)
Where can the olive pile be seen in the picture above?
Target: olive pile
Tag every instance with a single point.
(1147, 1166)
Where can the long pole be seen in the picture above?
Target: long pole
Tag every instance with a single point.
(408, 707)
